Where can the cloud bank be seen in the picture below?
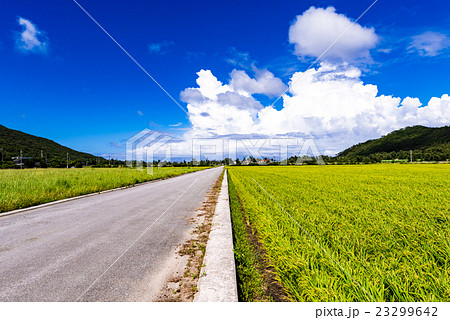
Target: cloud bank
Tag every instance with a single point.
(329, 103)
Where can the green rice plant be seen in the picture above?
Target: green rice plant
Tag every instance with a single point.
(24, 188)
(352, 233)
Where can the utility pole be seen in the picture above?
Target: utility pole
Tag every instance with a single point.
(21, 164)
(42, 154)
(67, 160)
(410, 155)
(109, 160)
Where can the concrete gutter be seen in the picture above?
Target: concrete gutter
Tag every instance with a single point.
(52, 203)
(217, 282)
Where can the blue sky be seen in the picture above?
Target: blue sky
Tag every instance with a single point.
(78, 88)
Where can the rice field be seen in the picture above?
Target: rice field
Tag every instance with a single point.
(24, 188)
(345, 233)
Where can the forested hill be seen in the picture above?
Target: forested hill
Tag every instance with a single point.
(427, 143)
(13, 141)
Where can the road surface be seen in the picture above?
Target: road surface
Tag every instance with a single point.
(116, 246)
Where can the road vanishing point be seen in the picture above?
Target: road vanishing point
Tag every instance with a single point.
(115, 246)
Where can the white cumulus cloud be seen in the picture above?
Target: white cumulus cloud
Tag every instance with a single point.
(31, 39)
(264, 83)
(314, 31)
(218, 109)
(429, 43)
(330, 104)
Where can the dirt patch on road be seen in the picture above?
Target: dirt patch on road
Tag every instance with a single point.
(183, 287)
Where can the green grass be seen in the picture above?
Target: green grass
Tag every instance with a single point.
(388, 226)
(24, 188)
(250, 279)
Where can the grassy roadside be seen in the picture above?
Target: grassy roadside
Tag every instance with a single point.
(255, 280)
(25, 188)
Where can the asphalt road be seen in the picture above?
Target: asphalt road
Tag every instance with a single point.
(116, 246)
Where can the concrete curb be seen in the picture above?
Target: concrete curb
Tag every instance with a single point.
(17, 211)
(217, 281)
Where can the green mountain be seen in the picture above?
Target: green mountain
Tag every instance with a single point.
(37, 148)
(430, 144)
